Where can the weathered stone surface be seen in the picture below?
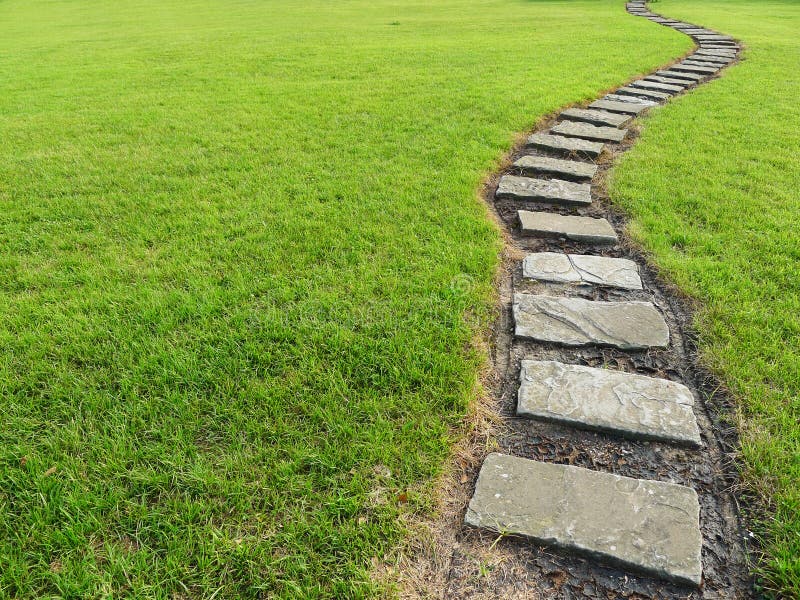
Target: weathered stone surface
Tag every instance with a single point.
(566, 169)
(649, 526)
(724, 60)
(659, 87)
(683, 83)
(581, 229)
(702, 63)
(631, 91)
(693, 69)
(556, 191)
(595, 117)
(730, 54)
(629, 99)
(564, 145)
(713, 37)
(588, 132)
(720, 45)
(680, 75)
(582, 268)
(579, 322)
(625, 403)
(629, 108)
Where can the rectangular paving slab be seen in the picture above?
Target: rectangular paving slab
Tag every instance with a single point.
(556, 191)
(628, 108)
(649, 526)
(629, 325)
(683, 83)
(680, 75)
(583, 269)
(595, 117)
(652, 94)
(702, 63)
(580, 229)
(588, 132)
(629, 404)
(629, 99)
(565, 145)
(693, 69)
(718, 52)
(566, 169)
(659, 87)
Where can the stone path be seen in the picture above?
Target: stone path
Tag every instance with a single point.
(580, 293)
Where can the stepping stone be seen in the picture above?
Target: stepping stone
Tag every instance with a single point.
(578, 322)
(564, 145)
(693, 69)
(719, 45)
(579, 229)
(631, 91)
(648, 526)
(683, 83)
(702, 63)
(699, 55)
(629, 99)
(712, 52)
(544, 190)
(590, 132)
(680, 75)
(632, 405)
(595, 117)
(582, 268)
(659, 87)
(714, 37)
(544, 165)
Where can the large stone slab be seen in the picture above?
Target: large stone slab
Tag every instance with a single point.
(588, 132)
(565, 145)
(692, 77)
(702, 63)
(625, 403)
(659, 87)
(583, 269)
(693, 69)
(648, 526)
(556, 191)
(711, 58)
(595, 117)
(731, 54)
(652, 94)
(683, 83)
(629, 99)
(566, 169)
(579, 322)
(710, 37)
(580, 229)
(628, 108)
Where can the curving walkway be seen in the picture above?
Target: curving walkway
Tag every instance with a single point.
(595, 344)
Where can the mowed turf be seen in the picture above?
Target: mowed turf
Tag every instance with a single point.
(243, 264)
(713, 189)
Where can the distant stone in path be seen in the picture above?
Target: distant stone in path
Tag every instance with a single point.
(595, 117)
(659, 87)
(578, 322)
(556, 191)
(649, 526)
(564, 145)
(580, 229)
(626, 403)
(629, 108)
(652, 94)
(544, 165)
(582, 268)
(589, 132)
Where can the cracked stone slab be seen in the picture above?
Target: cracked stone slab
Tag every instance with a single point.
(582, 269)
(629, 325)
(678, 75)
(565, 145)
(649, 526)
(544, 165)
(590, 132)
(580, 229)
(556, 191)
(629, 99)
(628, 108)
(626, 403)
(652, 94)
(683, 83)
(693, 69)
(659, 87)
(723, 53)
(595, 117)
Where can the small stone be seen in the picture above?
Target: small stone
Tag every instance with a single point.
(590, 132)
(544, 190)
(595, 117)
(650, 526)
(631, 91)
(659, 87)
(544, 165)
(580, 229)
(564, 145)
(629, 108)
(626, 403)
(582, 268)
(630, 325)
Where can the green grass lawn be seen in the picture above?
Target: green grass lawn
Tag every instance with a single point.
(240, 242)
(713, 187)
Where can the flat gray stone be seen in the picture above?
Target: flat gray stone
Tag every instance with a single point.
(710, 52)
(567, 169)
(659, 87)
(629, 99)
(595, 117)
(580, 229)
(588, 132)
(720, 45)
(711, 37)
(712, 57)
(679, 75)
(683, 83)
(652, 94)
(556, 191)
(649, 526)
(702, 63)
(628, 108)
(565, 145)
(693, 69)
(626, 403)
(578, 322)
(583, 269)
